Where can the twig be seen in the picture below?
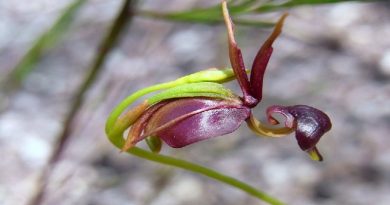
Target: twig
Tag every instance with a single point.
(108, 43)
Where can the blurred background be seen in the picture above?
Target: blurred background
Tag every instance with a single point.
(57, 92)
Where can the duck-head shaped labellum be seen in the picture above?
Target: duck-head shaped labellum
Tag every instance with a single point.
(192, 112)
(309, 124)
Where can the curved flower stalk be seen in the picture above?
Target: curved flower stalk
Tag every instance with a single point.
(198, 107)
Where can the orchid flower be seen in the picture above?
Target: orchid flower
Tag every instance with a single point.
(197, 107)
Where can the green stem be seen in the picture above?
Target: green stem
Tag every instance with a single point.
(118, 141)
(204, 171)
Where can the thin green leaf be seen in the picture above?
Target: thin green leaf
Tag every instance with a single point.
(272, 6)
(253, 22)
(212, 15)
(205, 17)
(46, 41)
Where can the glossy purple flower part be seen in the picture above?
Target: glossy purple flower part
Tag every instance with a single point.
(309, 124)
(185, 121)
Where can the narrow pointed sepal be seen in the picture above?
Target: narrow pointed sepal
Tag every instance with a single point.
(236, 60)
(136, 131)
(261, 60)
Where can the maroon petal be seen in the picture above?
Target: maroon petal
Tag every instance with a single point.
(309, 123)
(257, 73)
(136, 130)
(261, 60)
(236, 60)
(186, 121)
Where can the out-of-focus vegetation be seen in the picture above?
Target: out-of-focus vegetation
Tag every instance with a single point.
(210, 15)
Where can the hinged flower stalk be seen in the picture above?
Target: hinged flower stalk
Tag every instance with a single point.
(198, 107)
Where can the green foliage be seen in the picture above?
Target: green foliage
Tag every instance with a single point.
(213, 15)
(272, 6)
(46, 41)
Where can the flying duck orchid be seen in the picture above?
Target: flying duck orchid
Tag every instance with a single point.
(197, 107)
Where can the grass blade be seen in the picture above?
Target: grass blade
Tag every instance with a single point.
(269, 7)
(213, 15)
(46, 41)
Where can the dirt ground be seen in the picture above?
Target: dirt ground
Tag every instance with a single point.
(334, 57)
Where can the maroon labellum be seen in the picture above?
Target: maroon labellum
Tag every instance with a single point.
(183, 121)
(309, 124)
